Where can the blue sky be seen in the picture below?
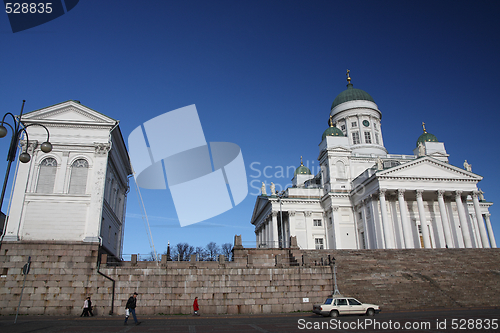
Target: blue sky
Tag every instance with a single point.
(263, 74)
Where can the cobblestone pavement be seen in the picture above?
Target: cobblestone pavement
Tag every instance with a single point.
(462, 320)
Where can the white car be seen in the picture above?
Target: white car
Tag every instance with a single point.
(341, 305)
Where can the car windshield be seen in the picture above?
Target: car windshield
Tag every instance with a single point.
(328, 301)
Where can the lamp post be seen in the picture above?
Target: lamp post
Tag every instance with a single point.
(334, 275)
(18, 128)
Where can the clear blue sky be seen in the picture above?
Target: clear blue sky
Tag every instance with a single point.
(263, 74)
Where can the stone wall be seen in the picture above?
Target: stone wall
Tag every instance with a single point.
(257, 281)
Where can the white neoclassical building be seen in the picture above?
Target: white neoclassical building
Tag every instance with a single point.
(78, 191)
(366, 198)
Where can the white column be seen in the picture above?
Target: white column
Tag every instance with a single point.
(269, 235)
(378, 233)
(463, 219)
(336, 227)
(291, 223)
(263, 233)
(308, 222)
(389, 239)
(490, 231)
(423, 222)
(404, 220)
(368, 241)
(444, 220)
(479, 217)
(274, 230)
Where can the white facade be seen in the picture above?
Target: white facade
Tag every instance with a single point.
(366, 198)
(78, 191)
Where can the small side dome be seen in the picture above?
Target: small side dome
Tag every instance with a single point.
(331, 131)
(426, 137)
(302, 170)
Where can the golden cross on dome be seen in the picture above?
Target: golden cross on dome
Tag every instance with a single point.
(423, 125)
(302, 164)
(331, 121)
(348, 77)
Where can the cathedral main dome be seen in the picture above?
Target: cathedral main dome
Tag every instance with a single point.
(351, 94)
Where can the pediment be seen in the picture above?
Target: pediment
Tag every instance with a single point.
(339, 150)
(428, 167)
(70, 112)
(260, 205)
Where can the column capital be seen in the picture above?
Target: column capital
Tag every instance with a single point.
(274, 213)
(458, 194)
(382, 191)
(440, 193)
(419, 193)
(291, 213)
(487, 215)
(401, 192)
(475, 195)
(335, 208)
(308, 213)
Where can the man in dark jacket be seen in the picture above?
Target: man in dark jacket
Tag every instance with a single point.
(130, 308)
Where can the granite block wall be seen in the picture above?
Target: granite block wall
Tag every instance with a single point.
(257, 281)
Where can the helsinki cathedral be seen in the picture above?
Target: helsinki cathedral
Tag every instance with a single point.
(363, 197)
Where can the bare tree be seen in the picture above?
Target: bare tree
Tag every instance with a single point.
(202, 253)
(227, 250)
(212, 251)
(183, 251)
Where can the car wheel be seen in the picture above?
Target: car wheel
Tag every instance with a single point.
(334, 313)
(370, 312)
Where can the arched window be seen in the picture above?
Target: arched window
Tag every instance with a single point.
(47, 176)
(340, 169)
(78, 180)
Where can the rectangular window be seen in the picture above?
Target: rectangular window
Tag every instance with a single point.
(355, 138)
(319, 243)
(368, 137)
(342, 127)
(317, 223)
(360, 216)
(354, 124)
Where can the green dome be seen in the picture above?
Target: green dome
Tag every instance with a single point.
(302, 170)
(351, 94)
(332, 131)
(427, 137)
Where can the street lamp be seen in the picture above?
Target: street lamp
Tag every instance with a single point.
(331, 261)
(18, 128)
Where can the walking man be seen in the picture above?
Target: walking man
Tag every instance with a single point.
(89, 307)
(130, 309)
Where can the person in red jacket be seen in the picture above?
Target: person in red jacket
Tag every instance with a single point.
(196, 307)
